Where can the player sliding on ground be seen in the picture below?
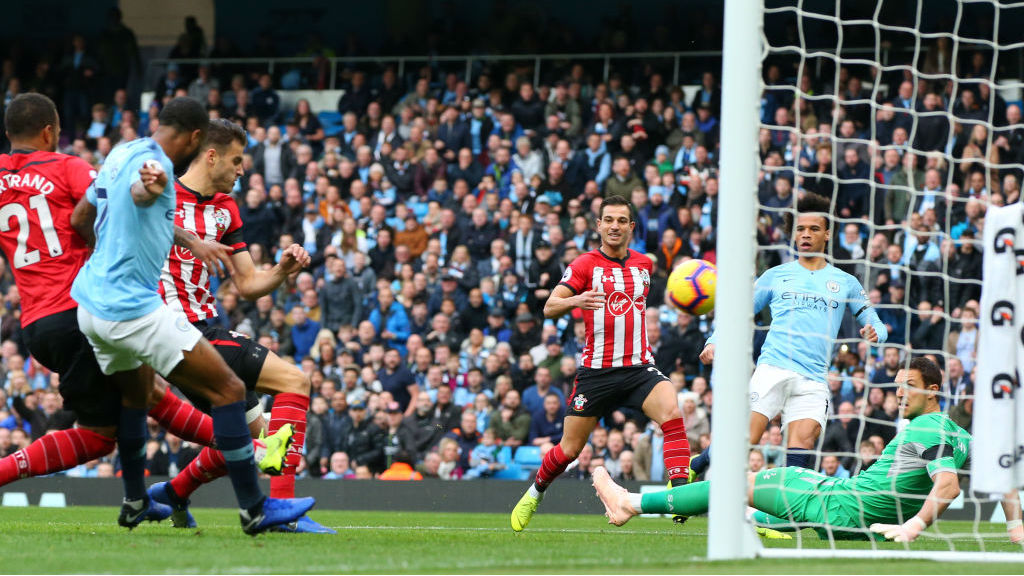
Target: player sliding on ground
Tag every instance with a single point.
(133, 334)
(47, 254)
(610, 285)
(808, 297)
(898, 497)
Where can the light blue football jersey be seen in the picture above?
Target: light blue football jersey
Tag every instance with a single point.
(119, 282)
(807, 310)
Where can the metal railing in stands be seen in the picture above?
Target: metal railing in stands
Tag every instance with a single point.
(469, 60)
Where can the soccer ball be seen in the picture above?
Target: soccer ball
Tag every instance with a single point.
(691, 287)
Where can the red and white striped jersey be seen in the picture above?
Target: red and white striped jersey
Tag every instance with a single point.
(185, 281)
(616, 334)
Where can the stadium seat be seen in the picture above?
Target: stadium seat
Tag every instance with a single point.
(15, 499)
(528, 457)
(332, 122)
(505, 455)
(513, 472)
(53, 500)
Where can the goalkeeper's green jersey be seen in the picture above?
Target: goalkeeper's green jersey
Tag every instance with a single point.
(894, 488)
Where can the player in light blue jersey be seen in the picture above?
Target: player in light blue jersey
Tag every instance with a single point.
(808, 298)
(130, 207)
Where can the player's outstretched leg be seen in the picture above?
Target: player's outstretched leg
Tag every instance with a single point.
(55, 452)
(204, 371)
(290, 388)
(620, 506)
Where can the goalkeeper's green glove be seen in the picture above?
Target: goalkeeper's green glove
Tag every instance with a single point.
(906, 532)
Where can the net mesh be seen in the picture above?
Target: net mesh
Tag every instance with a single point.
(906, 116)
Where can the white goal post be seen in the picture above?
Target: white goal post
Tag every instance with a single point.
(745, 49)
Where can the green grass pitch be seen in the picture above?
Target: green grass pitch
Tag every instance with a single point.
(87, 540)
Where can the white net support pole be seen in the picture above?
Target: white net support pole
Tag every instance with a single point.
(741, 65)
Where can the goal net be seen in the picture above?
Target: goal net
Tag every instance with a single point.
(906, 115)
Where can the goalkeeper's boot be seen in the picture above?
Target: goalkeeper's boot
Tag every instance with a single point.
(180, 516)
(304, 525)
(145, 510)
(614, 497)
(277, 445)
(769, 534)
(524, 510)
(274, 512)
(679, 518)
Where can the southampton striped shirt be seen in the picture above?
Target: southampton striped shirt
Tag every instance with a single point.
(185, 281)
(616, 334)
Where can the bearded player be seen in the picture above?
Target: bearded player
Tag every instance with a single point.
(38, 191)
(807, 298)
(610, 285)
(897, 498)
(207, 217)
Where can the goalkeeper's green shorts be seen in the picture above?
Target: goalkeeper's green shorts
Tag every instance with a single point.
(802, 496)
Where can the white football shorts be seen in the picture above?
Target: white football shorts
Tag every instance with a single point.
(776, 391)
(158, 339)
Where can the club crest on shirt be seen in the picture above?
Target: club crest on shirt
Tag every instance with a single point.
(645, 278)
(579, 402)
(221, 219)
(832, 286)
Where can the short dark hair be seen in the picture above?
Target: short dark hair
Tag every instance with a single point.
(929, 371)
(221, 133)
(811, 203)
(28, 114)
(185, 114)
(616, 200)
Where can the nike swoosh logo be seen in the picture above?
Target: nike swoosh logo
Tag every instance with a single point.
(132, 519)
(786, 279)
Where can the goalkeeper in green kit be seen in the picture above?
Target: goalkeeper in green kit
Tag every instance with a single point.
(898, 497)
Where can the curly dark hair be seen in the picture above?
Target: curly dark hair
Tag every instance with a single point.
(809, 204)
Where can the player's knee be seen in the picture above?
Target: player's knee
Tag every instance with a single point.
(156, 394)
(231, 390)
(672, 413)
(571, 449)
(299, 383)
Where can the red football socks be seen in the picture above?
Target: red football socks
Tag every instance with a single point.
(54, 452)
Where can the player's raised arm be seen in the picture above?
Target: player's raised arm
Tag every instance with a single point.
(253, 283)
(562, 300)
(872, 328)
(151, 184)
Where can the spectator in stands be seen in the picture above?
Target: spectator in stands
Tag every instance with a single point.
(365, 441)
(623, 179)
(842, 433)
(546, 424)
(340, 468)
(356, 96)
(510, 422)
(266, 102)
(274, 159)
(831, 467)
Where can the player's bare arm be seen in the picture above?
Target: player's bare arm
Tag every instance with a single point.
(945, 489)
(151, 184)
(82, 220)
(707, 355)
(253, 283)
(216, 256)
(562, 300)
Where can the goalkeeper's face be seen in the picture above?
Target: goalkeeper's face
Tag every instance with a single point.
(915, 397)
(811, 233)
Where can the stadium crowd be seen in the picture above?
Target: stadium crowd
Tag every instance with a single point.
(440, 215)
